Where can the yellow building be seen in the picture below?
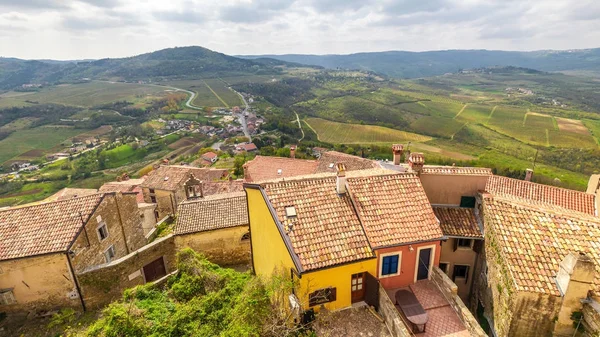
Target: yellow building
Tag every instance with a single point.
(311, 231)
(216, 226)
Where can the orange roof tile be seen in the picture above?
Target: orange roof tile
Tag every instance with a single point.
(172, 177)
(216, 212)
(263, 168)
(458, 221)
(326, 230)
(456, 170)
(394, 209)
(532, 192)
(533, 240)
(351, 162)
(44, 228)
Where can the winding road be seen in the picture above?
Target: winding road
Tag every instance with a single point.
(241, 117)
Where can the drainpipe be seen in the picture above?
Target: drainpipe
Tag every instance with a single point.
(76, 281)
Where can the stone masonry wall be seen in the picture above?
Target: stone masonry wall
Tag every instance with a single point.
(390, 314)
(103, 284)
(534, 314)
(221, 246)
(131, 220)
(450, 292)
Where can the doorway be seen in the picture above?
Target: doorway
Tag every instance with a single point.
(358, 287)
(424, 263)
(155, 270)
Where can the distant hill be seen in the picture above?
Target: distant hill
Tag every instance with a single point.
(402, 64)
(179, 62)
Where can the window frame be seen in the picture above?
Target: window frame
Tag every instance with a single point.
(382, 257)
(101, 224)
(7, 300)
(246, 237)
(445, 270)
(114, 254)
(467, 269)
(459, 246)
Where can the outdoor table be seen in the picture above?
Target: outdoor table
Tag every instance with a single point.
(412, 309)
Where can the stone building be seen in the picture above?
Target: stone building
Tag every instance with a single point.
(542, 260)
(165, 186)
(45, 246)
(216, 226)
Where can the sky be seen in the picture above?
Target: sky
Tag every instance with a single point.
(93, 29)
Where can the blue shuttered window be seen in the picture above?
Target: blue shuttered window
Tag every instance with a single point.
(389, 265)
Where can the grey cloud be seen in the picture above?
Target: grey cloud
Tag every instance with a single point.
(101, 3)
(108, 19)
(331, 6)
(34, 4)
(185, 17)
(255, 12)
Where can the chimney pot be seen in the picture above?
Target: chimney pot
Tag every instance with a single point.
(416, 161)
(293, 151)
(397, 150)
(528, 174)
(340, 184)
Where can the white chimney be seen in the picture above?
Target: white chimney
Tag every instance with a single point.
(340, 183)
(528, 174)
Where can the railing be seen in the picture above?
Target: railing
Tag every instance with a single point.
(450, 292)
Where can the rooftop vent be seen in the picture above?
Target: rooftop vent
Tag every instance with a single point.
(166, 178)
(290, 211)
(279, 171)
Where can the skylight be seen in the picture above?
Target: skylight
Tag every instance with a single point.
(290, 211)
(331, 165)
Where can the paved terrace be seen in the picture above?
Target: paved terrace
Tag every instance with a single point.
(443, 320)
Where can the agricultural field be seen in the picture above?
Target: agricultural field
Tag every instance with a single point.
(475, 113)
(221, 90)
(18, 124)
(341, 133)
(204, 97)
(89, 94)
(437, 126)
(40, 138)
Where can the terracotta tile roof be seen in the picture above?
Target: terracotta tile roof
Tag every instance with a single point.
(131, 185)
(220, 187)
(67, 193)
(263, 168)
(394, 209)
(456, 170)
(44, 228)
(532, 192)
(209, 155)
(246, 147)
(533, 240)
(326, 230)
(458, 221)
(172, 177)
(352, 162)
(219, 211)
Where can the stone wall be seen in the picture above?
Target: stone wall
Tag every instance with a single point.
(105, 283)
(591, 318)
(165, 201)
(393, 319)
(220, 246)
(39, 283)
(534, 314)
(450, 292)
(130, 220)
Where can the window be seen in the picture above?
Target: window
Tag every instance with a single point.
(467, 202)
(460, 272)
(102, 231)
(444, 267)
(464, 243)
(153, 199)
(151, 191)
(246, 237)
(7, 297)
(357, 282)
(389, 265)
(109, 254)
(322, 296)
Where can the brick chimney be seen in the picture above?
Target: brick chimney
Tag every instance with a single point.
(397, 150)
(416, 162)
(574, 278)
(293, 151)
(340, 183)
(528, 174)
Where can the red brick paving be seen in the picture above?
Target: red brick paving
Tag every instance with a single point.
(443, 320)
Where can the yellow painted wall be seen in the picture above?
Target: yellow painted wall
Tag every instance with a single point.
(38, 283)
(221, 246)
(338, 277)
(269, 252)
